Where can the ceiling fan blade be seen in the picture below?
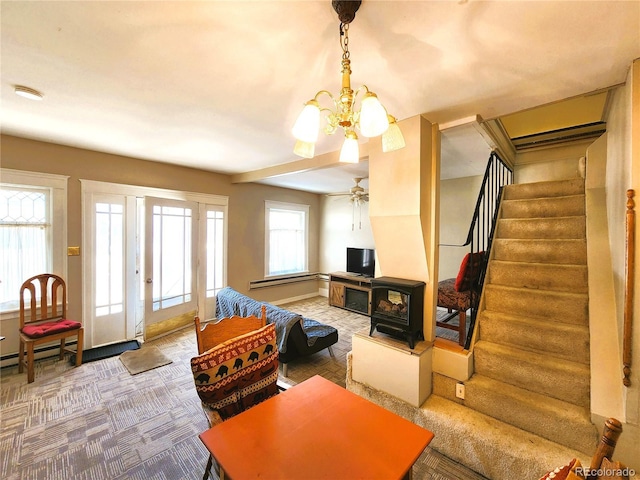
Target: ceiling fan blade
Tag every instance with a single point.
(356, 194)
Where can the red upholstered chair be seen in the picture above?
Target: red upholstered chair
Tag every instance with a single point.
(43, 319)
(459, 294)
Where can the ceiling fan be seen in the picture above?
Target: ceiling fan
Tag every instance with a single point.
(357, 196)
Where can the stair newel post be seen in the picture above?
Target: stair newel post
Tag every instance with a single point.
(610, 434)
(628, 299)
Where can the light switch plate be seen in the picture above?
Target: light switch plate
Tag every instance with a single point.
(460, 390)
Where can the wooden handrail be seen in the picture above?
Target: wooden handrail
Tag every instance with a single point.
(628, 297)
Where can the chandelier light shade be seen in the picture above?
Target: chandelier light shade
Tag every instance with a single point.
(304, 149)
(372, 119)
(350, 152)
(373, 116)
(308, 123)
(392, 139)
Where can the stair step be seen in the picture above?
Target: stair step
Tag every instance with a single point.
(563, 278)
(563, 307)
(545, 375)
(564, 251)
(553, 227)
(492, 448)
(550, 418)
(566, 206)
(561, 340)
(560, 188)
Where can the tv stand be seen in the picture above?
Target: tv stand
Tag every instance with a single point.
(350, 291)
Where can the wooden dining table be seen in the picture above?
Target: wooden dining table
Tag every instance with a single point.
(316, 430)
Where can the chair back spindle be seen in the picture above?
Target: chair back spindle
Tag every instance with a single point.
(48, 288)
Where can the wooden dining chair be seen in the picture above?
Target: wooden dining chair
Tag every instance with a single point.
(43, 319)
(216, 332)
(235, 374)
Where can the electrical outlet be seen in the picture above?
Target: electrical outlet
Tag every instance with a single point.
(460, 390)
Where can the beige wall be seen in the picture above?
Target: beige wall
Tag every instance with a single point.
(246, 239)
(400, 183)
(246, 249)
(606, 387)
(622, 173)
(550, 163)
(458, 198)
(337, 215)
(616, 180)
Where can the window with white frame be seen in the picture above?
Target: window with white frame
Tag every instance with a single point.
(287, 238)
(32, 226)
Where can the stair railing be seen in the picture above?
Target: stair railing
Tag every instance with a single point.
(629, 270)
(483, 224)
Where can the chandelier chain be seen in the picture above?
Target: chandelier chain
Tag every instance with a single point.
(344, 40)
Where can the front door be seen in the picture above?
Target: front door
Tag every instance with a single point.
(170, 258)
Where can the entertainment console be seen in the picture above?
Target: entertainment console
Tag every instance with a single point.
(350, 291)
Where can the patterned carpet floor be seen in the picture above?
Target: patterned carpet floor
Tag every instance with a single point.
(98, 422)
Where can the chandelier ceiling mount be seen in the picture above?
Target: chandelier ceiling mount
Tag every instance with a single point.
(346, 10)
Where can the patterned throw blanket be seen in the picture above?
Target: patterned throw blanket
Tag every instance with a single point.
(229, 303)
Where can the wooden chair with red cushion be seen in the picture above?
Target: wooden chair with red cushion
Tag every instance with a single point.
(43, 319)
(459, 294)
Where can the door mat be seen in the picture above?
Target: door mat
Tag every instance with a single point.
(147, 358)
(106, 351)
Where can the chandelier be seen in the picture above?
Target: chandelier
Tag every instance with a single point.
(372, 119)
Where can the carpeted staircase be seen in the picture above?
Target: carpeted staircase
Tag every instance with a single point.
(531, 361)
(527, 406)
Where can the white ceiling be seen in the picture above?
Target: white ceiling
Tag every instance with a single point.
(217, 85)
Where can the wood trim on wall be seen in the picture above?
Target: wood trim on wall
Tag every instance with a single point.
(630, 252)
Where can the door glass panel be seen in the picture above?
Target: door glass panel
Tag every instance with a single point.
(172, 256)
(215, 252)
(109, 259)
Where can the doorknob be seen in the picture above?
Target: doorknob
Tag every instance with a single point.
(148, 280)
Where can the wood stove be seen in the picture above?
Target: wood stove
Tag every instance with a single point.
(397, 307)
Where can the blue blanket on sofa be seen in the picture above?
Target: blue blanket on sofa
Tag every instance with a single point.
(230, 302)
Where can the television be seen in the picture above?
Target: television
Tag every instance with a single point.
(361, 261)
